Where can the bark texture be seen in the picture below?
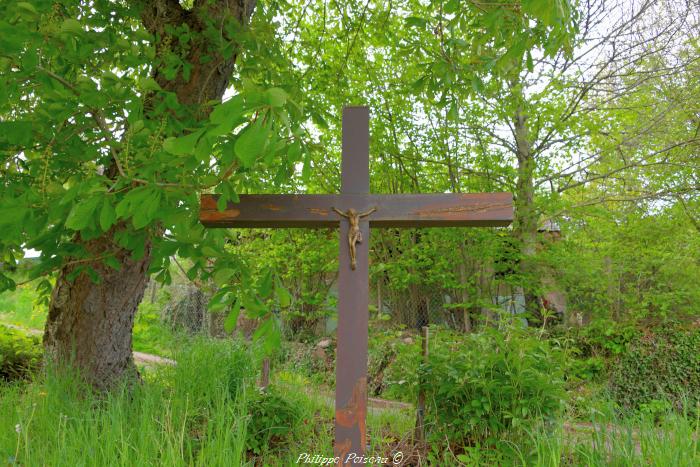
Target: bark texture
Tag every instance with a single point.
(90, 324)
(525, 225)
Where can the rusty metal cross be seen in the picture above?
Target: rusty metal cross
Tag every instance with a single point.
(355, 209)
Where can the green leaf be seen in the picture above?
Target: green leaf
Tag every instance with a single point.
(415, 21)
(209, 251)
(276, 97)
(113, 263)
(222, 276)
(306, 168)
(265, 286)
(28, 10)
(453, 113)
(16, 133)
(82, 213)
(232, 318)
(149, 84)
(253, 306)
(72, 26)
(268, 335)
(283, 296)
(294, 151)
(26, 6)
(107, 215)
(183, 145)
(251, 143)
(147, 209)
(229, 111)
(452, 6)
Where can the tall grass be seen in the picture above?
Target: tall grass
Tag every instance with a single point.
(618, 441)
(198, 412)
(190, 414)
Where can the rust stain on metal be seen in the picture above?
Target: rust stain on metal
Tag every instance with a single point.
(272, 207)
(342, 449)
(460, 209)
(355, 412)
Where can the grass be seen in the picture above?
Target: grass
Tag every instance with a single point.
(198, 413)
(188, 415)
(194, 413)
(19, 308)
(612, 440)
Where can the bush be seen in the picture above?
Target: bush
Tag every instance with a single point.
(273, 421)
(484, 387)
(394, 358)
(20, 354)
(661, 365)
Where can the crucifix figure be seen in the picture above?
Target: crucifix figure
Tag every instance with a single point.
(358, 210)
(354, 232)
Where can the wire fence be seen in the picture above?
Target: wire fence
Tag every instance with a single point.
(417, 307)
(184, 308)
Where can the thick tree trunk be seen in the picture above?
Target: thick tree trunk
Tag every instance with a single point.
(90, 324)
(525, 225)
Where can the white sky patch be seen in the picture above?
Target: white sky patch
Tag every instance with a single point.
(31, 253)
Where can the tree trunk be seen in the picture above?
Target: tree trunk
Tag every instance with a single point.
(525, 225)
(90, 324)
(464, 294)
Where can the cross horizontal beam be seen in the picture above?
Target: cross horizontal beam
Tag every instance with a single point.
(405, 210)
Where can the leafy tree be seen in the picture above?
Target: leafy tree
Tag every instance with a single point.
(112, 124)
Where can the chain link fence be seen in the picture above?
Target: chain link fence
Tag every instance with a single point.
(184, 308)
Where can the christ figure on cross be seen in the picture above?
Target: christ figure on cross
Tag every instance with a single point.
(355, 210)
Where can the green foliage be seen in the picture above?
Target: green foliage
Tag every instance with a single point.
(608, 439)
(150, 335)
(188, 415)
(274, 421)
(662, 364)
(604, 338)
(194, 414)
(22, 307)
(394, 360)
(107, 149)
(211, 368)
(481, 387)
(20, 355)
(591, 349)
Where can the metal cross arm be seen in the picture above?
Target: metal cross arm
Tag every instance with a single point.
(420, 210)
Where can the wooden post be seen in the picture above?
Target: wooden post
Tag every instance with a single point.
(333, 210)
(265, 375)
(420, 412)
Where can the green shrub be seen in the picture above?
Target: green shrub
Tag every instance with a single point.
(593, 348)
(484, 387)
(20, 354)
(663, 364)
(394, 358)
(274, 420)
(604, 338)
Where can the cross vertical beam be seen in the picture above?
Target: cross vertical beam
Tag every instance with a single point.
(353, 297)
